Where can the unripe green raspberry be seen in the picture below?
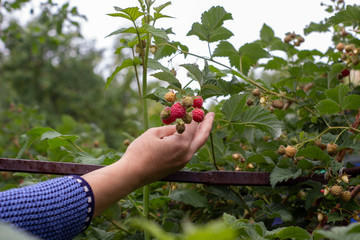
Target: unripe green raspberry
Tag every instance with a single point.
(187, 118)
(187, 102)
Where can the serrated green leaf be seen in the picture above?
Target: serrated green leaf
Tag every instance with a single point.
(234, 107)
(157, 32)
(352, 102)
(210, 29)
(317, 27)
(215, 17)
(295, 233)
(266, 34)
(156, 65)
(349, 16)
(313, 153)
(338, 94)
(279, 210)
(350, 232)
(131, 13)
(254, 51)
(161, 7)
(189, 196)
(28, 138)
(275, 64)
(327, 106)
(123, 30)
(154, 229)
(283, 174)
(195, 71)
(168, 77)
(261, 119)
(128, 62)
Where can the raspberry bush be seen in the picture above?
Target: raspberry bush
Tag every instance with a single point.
(301, 119)
(294, 114)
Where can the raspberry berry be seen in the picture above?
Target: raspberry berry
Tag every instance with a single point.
(281, 150)
(336, 190)
(198, 115)
(187, 102)
(187, 118)
(170, 96)
(346, 196)
(290, 151)
(256, 92)
(340, 46)
(165, 114)
(169, 120)
(278, 104)
(177, 111)
(331, 149)
(198, 102)
(180, 127)
(345, 73)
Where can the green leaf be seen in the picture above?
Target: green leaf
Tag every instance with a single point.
(157, 32)
(327, 106)
(295, 233)
(128, 62)
(313, 153)
(279, 210)
(28, 138)
(275, 64)
(168, 77)
(338, 94)
(317, 27)
(348, 16)
(352, 102)
(215, 17)
(234, 107)
(211, 230)
(266, 34)
(131, 13)
(161, 7)
(8, 231)
(350, 232)
(195, 71)
(283, 174)
(261, 119)
(156, 65)
(210, 29)
(254, 51)
(154, 229)
(189, 196)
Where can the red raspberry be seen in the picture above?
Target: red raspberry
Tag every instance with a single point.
(345, 73)
(198, 102)
(169, 120)
(198, 115)
(177, 111)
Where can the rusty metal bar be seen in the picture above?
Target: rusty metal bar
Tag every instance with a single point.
(209, 177)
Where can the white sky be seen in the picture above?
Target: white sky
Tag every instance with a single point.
(248, 18)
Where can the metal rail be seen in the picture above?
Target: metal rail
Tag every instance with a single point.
(209, 177)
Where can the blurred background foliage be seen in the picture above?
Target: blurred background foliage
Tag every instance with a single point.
(48, 79)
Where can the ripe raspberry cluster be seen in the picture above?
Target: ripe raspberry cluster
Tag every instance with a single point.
(182, 112)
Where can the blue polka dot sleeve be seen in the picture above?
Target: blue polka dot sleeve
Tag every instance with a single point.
(60, 208)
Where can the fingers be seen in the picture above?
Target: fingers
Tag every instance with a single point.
(164, 131)
(202, 132)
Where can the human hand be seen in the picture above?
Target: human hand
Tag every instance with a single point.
(154, 155)
(161, 151)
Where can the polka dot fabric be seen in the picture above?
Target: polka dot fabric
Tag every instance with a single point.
(60, 208)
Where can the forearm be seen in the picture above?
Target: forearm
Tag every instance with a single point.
(112, 183)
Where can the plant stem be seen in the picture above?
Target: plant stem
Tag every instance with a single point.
(116, 225)
(135, 205)
(213, 151)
